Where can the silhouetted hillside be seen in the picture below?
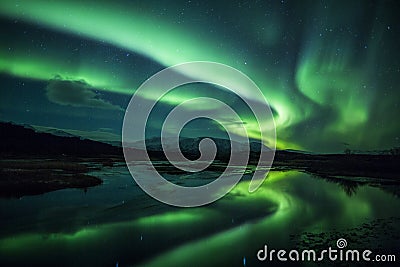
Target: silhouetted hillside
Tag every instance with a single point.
(18, 140)
(189, 147)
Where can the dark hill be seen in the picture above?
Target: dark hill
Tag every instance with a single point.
(18, 140)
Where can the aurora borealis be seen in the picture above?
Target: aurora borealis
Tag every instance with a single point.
(329, 69)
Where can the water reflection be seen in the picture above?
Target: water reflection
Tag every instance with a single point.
(142, 231)
(346, 184)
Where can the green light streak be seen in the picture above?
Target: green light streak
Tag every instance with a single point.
(42, 68)
(135, 32)
(331, 81)
(332, 74)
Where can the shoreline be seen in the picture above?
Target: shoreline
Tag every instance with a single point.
(33, 175)
(24, 177)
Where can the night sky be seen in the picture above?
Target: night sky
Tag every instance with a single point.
(330, 70)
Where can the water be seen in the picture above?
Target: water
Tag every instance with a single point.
(117, 224)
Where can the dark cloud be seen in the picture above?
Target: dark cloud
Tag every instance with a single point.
(76, 94)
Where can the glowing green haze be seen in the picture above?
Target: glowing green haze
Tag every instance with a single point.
(322, 72)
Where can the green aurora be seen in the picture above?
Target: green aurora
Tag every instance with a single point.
(329, 71)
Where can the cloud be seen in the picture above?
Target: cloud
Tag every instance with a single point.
(76, 93)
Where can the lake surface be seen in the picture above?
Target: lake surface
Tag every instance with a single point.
(117, 224)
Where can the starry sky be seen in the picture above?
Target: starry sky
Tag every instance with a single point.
(330, 70)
